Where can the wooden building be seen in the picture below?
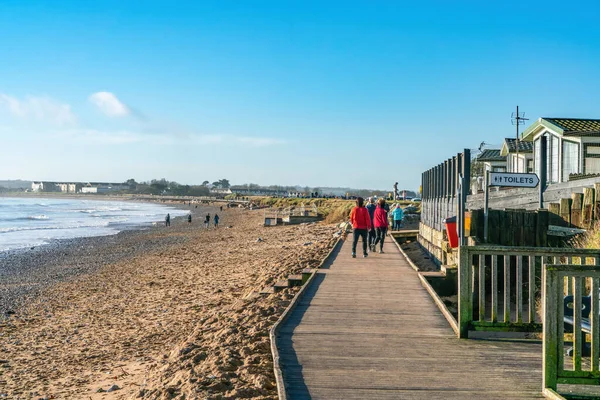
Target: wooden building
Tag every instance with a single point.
(573, 146)
(517, 159)
(492, 160)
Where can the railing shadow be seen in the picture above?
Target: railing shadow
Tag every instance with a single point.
(290, 365)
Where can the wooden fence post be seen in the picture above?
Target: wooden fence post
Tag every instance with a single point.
(465, 297)
(550, 345)
(588, 207)
(541, 234)
(554, 208)
(576, 206)
(565, 210)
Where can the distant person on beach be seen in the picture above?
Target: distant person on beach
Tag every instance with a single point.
(216, 221)
(207, 220)
(361, 223)
(381, 224)
(397, 216)
(190, 218)
(221, 208)
(168, 220)
(372, 235)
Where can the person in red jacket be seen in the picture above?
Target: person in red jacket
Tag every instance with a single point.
(361, 223)
(380, 221)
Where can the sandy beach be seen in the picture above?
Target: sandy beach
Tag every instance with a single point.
(162, 313)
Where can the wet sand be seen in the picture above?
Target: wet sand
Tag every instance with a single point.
(160, 314)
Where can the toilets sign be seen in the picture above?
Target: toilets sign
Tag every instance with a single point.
(513, 179)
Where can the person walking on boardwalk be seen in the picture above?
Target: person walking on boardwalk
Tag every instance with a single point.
(397, 216)
(168, 220)
(216, 220)
(207, 221)
(372, 235)
(361, 223)
(381, 224)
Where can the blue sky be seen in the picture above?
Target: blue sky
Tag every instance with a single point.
(317, 93)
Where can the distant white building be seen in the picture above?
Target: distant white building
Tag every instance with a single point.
(98, 187)
(44, 187)
(215, 190)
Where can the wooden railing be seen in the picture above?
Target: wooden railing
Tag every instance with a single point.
(582, 367)
(513, 277)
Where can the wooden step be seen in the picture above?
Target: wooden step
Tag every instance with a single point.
(306, 273)
(267, 290)
(280, 285)
(448, 269)
(294, 280)
(433, 274)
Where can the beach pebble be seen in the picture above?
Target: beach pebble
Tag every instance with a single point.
(259, 240)
(262, 382)
(113, 388)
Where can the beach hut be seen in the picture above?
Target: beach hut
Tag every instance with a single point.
(573, 146)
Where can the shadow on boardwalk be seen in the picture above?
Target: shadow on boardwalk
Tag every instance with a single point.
(367, 329)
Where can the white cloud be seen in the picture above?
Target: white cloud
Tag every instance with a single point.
(109, 104)
(38, 108)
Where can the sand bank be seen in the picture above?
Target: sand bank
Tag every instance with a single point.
(166, 313)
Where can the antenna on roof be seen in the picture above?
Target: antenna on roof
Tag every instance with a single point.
(518, 118)
(481, 146)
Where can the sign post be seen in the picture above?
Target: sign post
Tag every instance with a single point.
(504, 179)
(510, 179)
(486, 201)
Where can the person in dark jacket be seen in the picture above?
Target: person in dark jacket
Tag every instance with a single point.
(168, 220)
(372, 235)
(361, 223)
(381, 224)
(216, 221)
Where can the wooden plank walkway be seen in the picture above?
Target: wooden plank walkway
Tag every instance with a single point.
(367, 329)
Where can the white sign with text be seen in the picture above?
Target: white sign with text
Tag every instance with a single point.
(513, 179)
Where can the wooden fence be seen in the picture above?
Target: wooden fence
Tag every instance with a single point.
(581, 210)
(582, 367)
(493, 278)
(510, 227)
(441, 185)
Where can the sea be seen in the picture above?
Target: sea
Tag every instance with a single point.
(27, 222)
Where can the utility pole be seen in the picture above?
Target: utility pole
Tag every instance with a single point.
(518, 119)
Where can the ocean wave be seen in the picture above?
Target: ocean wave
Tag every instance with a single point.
(99, 210)
(39, 217)
(54, 227)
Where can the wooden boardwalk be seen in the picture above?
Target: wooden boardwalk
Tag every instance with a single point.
(367, 329)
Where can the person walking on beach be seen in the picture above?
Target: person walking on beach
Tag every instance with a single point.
(168, 220)
(381, 224)
(190, 218)
(372, 235)
(207, 221)
(216, 221)
(397, 215)
(361, 223)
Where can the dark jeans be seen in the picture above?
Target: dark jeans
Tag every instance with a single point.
(397, 223)
(372, 236)
(357, 234)
(380, 237)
